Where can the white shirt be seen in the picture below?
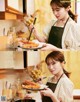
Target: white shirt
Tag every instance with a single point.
(71, 34)
(64, 89)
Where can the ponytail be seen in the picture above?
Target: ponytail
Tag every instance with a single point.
(73, 16)
(65, 4)
(66, 73)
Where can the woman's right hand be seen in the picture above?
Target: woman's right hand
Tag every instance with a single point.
(34, 31)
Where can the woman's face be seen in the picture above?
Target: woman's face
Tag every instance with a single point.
(54, 66)
(59, 12)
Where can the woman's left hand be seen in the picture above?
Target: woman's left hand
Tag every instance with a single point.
(50, 47)
(47, 92)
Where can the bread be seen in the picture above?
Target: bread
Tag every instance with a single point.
(36, 74)
(30, 85)
(29, 44)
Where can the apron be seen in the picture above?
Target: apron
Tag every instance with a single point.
(55, 35)
(52, 86)
(26, 100)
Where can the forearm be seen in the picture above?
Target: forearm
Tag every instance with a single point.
(54, 98)
(38, 37)
(51, 47)
(56, 49)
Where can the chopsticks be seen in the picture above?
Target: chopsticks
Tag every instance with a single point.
(32, 29)
(40, 79)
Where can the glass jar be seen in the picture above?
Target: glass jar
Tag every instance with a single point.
(11, 37)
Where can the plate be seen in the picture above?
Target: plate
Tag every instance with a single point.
(34, 48)
(42, 87)
(40, 45)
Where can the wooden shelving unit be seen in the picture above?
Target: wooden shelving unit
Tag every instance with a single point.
(9, 12)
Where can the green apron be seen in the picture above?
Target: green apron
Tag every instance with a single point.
(55, 35)
(52, 86)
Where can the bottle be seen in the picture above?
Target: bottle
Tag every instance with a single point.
(11, 37)
(6, 91)
(18, 84)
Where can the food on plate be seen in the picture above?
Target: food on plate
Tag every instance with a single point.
(28, 20)
(36, 74)
(27, 84)
(29, 44)
(21, 34)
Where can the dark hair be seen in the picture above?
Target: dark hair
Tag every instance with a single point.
(65, 4)
(57, 56)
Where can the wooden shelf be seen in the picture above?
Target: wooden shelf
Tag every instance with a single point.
(10, 12)
(10, 15)
(3, 71)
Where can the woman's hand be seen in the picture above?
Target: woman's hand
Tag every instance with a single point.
(47, 92)
(34, 31)
(50, 47)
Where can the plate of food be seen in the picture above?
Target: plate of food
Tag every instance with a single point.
(30, 85)
(30, 45)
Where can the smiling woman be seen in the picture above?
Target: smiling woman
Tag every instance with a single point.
(60, 87)
(60, 33)
(71, 58)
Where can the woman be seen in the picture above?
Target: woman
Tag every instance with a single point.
(64, 32)
(60, 88)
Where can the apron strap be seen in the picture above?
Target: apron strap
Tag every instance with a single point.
(54, 23)
(66, 22)
(60, 77)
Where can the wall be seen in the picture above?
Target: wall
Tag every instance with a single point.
(5, 24)
(6, 59)
(11, 60)
(18, 24)
(2, 6)
(30, 6)
(33, 58)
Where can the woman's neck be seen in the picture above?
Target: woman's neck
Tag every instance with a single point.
(61, 22)
(58, 75)
(64, 19)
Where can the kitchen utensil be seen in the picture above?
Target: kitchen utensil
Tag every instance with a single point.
(32, 29)
(40, 79)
